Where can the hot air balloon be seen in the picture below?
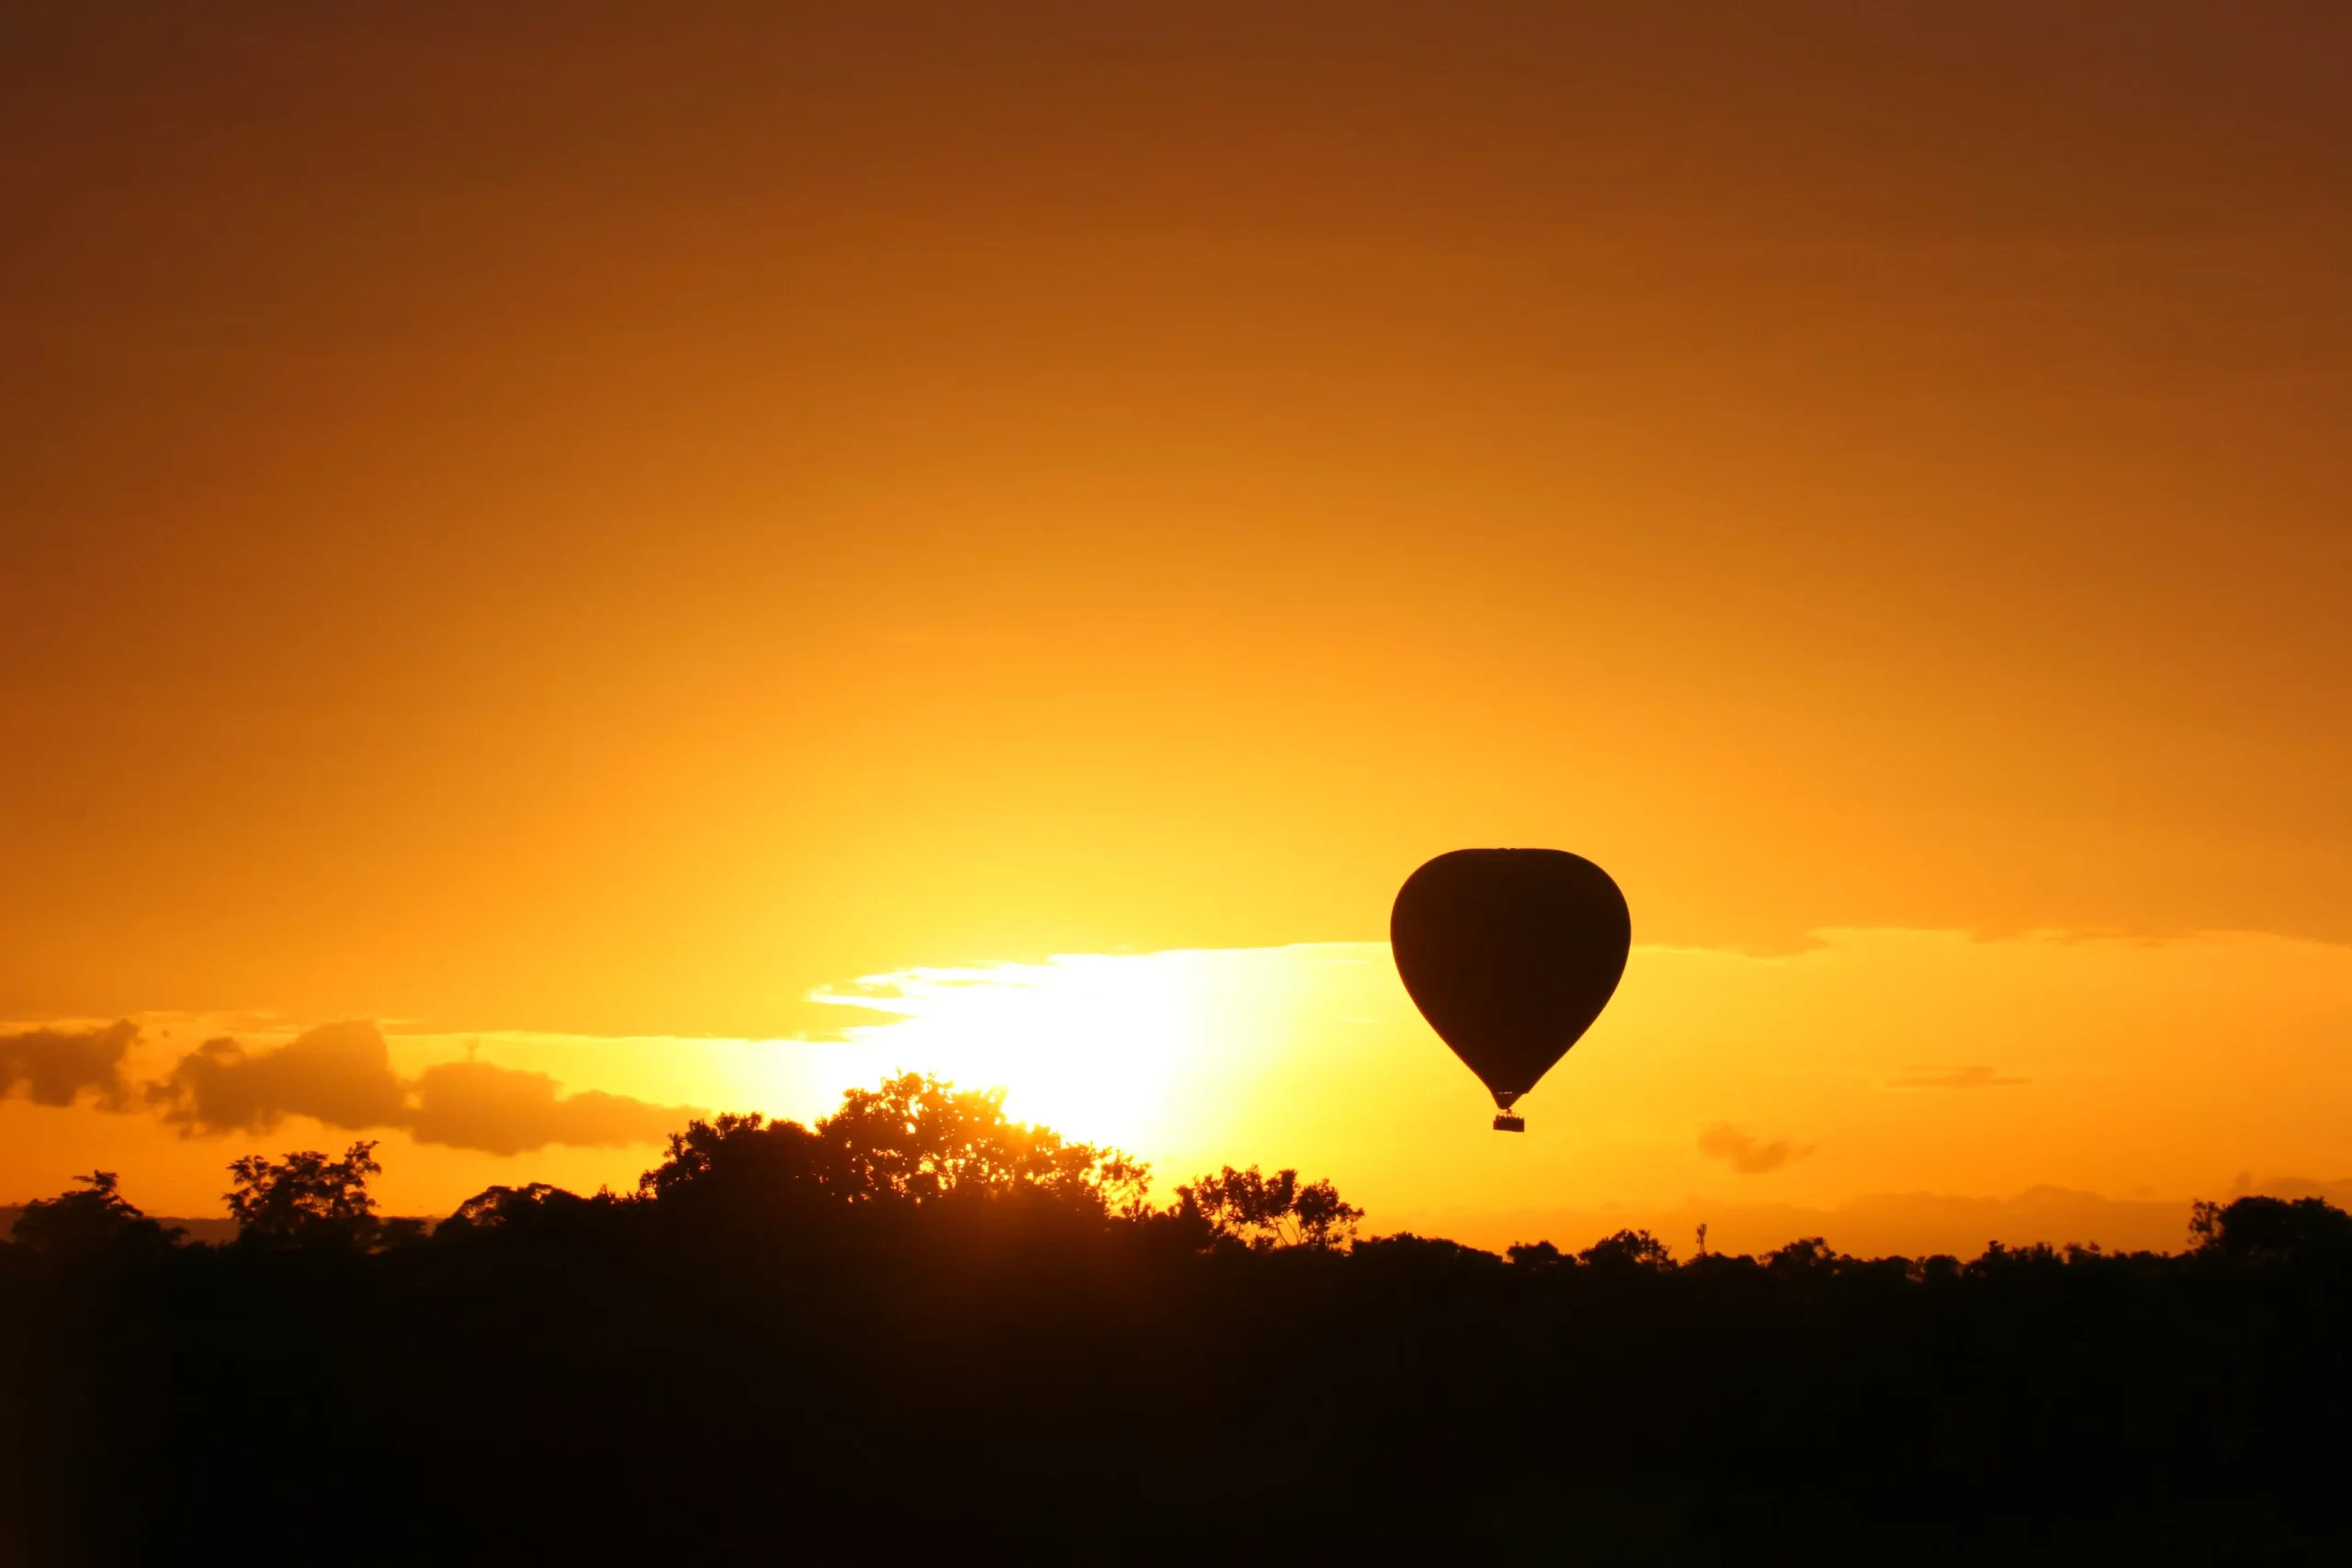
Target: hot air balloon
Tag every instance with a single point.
(1510, 954)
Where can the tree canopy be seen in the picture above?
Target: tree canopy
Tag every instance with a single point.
(96, 1219)
(306, 1198)
(921, 1329)
(1265, 1212)
(915, 1141)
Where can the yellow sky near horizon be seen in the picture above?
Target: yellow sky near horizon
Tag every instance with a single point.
(1859, 1085)
(584, 526)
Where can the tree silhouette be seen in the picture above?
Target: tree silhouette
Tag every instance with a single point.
(2272, 1230)
(1803, 1256)
(306, 1200)
(919, 1140)
(496, 1206)
(863, 1318)
(915, 1141)
(1628, 1250)
(97, 1219)
(740, 1170)
(1265, 1212)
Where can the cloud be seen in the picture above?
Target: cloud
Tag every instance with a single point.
(341, 1073)
(832, 1014)
(473, 1105)
(57, 1066)
(1976, 1077)
(1746, 1154)
(2338, 1192)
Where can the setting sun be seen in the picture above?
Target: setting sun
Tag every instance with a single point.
(1103, 1047)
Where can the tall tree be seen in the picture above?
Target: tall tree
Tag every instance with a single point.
(1264, 1213)
(306, 1198)
(97, 1219)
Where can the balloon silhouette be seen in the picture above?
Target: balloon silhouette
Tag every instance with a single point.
(1510, 954)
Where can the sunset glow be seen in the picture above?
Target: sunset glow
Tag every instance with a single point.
(573, 585)
(1887, 1088)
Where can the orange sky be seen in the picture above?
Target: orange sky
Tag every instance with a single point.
(583, 524)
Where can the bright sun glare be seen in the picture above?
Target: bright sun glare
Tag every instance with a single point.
(1093, 1044)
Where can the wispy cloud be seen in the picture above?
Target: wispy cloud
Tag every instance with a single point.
(1746, 1154)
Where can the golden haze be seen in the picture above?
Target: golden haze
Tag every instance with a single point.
(568, 525)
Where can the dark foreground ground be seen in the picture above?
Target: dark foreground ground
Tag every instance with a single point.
(595, 1385)
(919, 1332)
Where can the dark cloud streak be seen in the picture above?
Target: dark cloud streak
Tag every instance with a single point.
(57, 1066)
(340, 1074)
(1746, 1154)
(473, 1105)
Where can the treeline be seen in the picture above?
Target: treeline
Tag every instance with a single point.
(918, 1329)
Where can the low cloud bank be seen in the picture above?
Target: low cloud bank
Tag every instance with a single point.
(339, 1074)
(472, 1105)
(58, 1066)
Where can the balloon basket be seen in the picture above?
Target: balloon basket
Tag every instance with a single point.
(1507, 1122)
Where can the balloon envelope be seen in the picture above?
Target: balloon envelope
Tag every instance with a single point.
(1510, 954)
